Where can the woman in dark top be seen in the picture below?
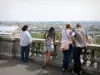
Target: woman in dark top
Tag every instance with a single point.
(49, 46)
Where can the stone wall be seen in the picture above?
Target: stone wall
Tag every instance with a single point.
(7, 47)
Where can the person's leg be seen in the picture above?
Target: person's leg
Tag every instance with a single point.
(76, 57)
(45, 57)
(66, 57)
(70, 53)
(22, 53)
(27, 49)
(48, 56)
(50, 50)
(80, 51)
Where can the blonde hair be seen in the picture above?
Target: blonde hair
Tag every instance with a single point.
(68, 25)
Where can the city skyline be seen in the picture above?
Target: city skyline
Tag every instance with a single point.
(49, 10)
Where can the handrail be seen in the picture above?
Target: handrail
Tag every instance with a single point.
(56, 42)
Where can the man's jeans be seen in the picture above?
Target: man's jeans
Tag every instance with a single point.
(24, 53)
(76, 56)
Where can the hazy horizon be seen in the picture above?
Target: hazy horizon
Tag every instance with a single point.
(51, 21)
(49, 10)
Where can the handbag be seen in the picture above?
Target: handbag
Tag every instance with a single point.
(48, 42)
(64, 44)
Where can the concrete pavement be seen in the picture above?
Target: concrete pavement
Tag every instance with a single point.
(16, 67)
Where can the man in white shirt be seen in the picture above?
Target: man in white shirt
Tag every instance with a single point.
(25, 40)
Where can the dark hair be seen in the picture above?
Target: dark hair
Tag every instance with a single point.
(78, 25)
(51, 33)
(68, 25)
(24, 28)
(51, 30)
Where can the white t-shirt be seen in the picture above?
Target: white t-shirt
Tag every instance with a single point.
(25, 38)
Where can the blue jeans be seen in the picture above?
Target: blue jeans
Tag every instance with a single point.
(24, 53)
(66, 57)
(76, 56)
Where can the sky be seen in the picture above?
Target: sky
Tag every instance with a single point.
(49, 10)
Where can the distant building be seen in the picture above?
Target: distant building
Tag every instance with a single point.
(9, 31)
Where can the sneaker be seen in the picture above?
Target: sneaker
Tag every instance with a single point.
(75, 73)
(81, 72)
(65, 70)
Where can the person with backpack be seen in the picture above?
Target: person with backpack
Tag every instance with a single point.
(49, 46)
(80, 39)
(66, 46)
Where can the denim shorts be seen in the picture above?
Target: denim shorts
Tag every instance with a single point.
(49, 48)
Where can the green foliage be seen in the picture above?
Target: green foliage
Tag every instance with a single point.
(43, 35)
(38, 35)
(97, 41)
(58, 35)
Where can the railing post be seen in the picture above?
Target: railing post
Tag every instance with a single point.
(38, 48)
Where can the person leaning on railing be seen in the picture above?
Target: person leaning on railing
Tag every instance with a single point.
(25, 40)
(49, 46)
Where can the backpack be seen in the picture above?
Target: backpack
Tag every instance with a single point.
(80, 39)
(48, 41)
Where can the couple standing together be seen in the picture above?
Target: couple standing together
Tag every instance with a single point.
(77, 41)
(74, 41)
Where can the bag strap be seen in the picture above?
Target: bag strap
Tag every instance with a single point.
(82, 35)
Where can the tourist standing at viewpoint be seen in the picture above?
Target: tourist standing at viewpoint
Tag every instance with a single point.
(66, 46)
(25, 40)
(79, 43)
(49, 46)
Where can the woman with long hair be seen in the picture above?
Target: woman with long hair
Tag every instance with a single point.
(49, 46)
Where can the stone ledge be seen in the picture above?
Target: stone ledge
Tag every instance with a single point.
(8, 39)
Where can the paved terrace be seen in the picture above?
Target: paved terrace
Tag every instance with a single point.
(16, 67)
